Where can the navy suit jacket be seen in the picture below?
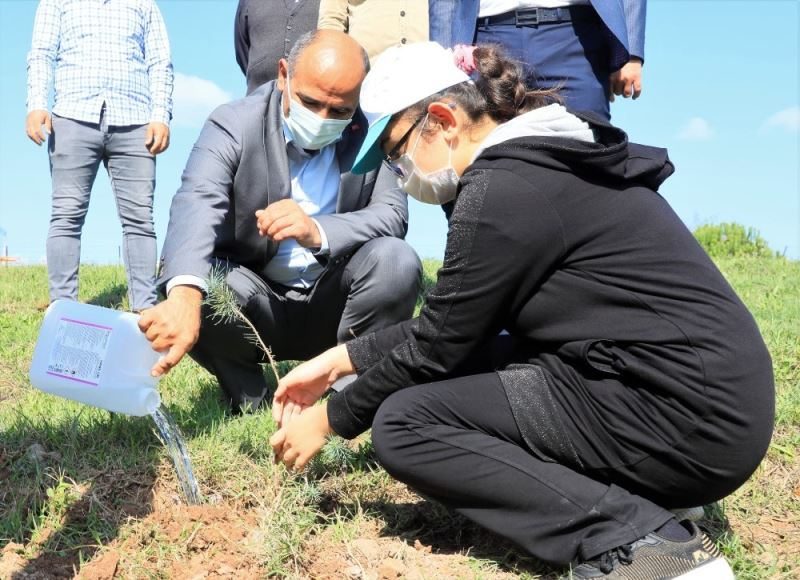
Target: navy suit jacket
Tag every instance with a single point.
(453, 22)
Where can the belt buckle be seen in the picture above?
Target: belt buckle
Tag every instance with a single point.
(530, 17)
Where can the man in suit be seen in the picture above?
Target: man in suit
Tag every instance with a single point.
(592, 49)
(265, 31)
(313, 253)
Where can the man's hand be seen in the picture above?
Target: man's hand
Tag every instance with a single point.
(33, 126)
(627, 81)
(173, 326)
(305, 384)
(157, 138)
(295, 444)
(285, 219)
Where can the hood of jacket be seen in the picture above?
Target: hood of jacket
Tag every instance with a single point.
(581, 143)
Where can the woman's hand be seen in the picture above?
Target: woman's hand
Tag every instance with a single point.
(305, 384)
(296, 443)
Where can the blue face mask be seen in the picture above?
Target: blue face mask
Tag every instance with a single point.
(309, 130)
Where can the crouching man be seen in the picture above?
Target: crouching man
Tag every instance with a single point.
(313, 253)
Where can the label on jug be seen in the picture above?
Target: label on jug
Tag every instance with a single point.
(78, 351)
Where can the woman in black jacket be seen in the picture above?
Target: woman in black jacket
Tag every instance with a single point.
(580, 367)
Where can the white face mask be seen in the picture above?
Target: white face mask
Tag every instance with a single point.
(309, 130)
(437, 187)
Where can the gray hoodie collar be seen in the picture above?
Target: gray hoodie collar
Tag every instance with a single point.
(550, 121)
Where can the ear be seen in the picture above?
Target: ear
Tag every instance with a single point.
(444, 114)
(283, 73)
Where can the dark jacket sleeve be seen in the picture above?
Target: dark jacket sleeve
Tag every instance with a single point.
(504, 238)
(368, 350)
(199, 207)
(241, 36)
(386, 215)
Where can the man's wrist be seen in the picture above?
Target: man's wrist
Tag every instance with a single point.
(320, 241)
(186, 293)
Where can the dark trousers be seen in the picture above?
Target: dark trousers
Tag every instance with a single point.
(376, 287)
(457, 442)
(572, 55)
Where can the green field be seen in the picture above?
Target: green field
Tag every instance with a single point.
(84, 490)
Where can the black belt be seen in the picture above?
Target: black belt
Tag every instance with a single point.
(536, 16)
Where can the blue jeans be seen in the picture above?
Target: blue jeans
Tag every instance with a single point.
(571, 55)
(76, 150)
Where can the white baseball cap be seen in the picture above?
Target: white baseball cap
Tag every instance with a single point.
(401, 76)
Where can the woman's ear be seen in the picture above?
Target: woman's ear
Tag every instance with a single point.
(444, 114)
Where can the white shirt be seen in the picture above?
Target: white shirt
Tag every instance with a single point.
(494, 7)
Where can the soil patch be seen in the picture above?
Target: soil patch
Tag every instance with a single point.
(374, 557)
(772, 533)
(203, 542)
(398, 534)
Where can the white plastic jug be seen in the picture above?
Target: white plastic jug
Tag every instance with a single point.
(96, 356)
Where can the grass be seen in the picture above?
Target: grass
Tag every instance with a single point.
(78, 484)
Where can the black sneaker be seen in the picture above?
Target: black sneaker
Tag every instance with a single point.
(657, 558)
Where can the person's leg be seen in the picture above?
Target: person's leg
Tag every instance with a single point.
(132, 169)
(512, 38)
(382, 281)
(573, 56)
(375, 287)
(75, 151)
(570, 55)
(227, 347)
(425, 434)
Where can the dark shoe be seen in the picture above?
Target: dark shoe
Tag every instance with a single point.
(657, 558)
(693, 514)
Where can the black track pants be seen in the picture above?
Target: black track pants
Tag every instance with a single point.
(457, 442)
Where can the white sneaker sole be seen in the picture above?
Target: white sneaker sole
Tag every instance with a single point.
(716, 570)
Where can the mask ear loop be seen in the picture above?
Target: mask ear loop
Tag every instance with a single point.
(450, 155)
(288, 94)
(416, 142)
(421, 129)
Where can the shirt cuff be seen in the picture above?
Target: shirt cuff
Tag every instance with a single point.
(187, 280)
(160, 116)
(37, 105)
(324, 248)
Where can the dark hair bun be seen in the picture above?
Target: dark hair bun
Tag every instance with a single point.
(501, 81)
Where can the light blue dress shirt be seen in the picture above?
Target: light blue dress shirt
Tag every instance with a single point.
(315, 179)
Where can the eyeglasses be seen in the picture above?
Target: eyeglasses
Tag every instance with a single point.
(390, 158)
